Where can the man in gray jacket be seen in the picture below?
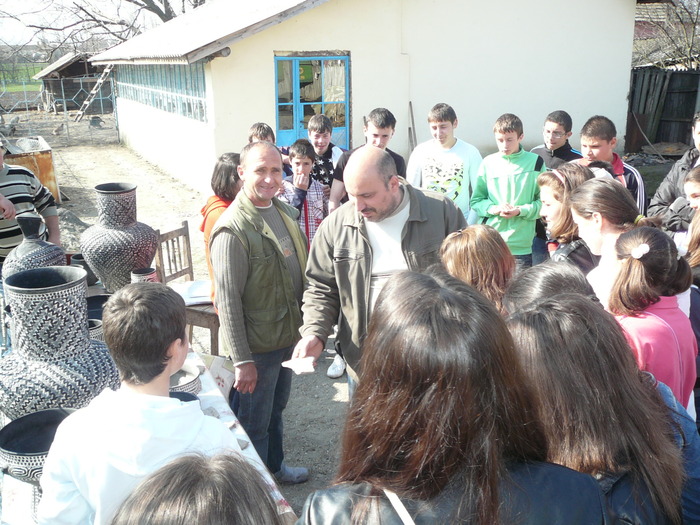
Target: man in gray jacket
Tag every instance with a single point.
(387, 226)
(669, 201)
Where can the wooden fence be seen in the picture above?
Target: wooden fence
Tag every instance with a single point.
(661, 106)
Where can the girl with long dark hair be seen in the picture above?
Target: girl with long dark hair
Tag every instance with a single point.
(443, 427)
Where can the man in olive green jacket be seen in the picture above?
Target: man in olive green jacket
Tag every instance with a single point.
(258, 255)
(387, 226)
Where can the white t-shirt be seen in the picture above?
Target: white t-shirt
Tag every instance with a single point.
(385, 241)
(452, 172)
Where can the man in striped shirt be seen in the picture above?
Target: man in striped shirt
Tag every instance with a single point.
(26, 193)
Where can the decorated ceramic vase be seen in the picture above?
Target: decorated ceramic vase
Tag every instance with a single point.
(33, 251)
(77, 259)
(54, 364)
(117, 244)
(144, 275)
(25, 442)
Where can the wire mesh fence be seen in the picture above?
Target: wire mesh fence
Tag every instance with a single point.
(48, 108)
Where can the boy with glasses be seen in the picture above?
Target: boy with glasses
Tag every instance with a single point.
(556, 149)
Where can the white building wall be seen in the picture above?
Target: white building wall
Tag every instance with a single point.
(483, 58)
(245, 81)
(527, 58)
(181, 146)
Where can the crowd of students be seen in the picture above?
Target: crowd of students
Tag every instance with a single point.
(492, 389)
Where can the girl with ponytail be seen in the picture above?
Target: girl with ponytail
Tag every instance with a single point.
(603, 209)
(643, 299)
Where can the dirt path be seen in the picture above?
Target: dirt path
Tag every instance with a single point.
(314, 417)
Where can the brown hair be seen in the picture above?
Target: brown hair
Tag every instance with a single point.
(320, 124)
(225, 179)
(261, 132)
(649, 268)
(442, 113)
(140, 322)
(612, 201)
(508, 122)
(694, 240)
(693, 256)
(196, 489)
(600, 413)
(562, 182)
(447, 360)
(545, 280)
(599, 127)
(479, 256)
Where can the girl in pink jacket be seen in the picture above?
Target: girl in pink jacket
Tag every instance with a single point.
(643, 300)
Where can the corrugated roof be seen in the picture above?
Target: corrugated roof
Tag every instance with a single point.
(203, 31)
(65, 60)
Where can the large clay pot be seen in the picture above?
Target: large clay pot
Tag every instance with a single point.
(53, 364)
(117, 244)
(33, 251)
(25, 442)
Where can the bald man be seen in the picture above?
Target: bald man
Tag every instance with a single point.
(387, 226)
(258, 255)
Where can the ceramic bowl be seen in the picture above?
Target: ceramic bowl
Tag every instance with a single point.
(186, 380)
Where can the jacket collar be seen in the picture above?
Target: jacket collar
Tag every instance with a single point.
(252, 214)
(415, 212)
(515, 155)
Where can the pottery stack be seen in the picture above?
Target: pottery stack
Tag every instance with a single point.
(53, 364)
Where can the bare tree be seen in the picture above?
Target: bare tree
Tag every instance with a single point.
(88, 25)
(668, 34)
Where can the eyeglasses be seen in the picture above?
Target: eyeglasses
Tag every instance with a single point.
(554, 134)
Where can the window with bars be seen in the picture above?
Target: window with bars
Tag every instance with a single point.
(178, 89)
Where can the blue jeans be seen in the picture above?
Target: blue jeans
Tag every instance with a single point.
(260, 413)
(539, 251)
(352, 386)
(522, 262)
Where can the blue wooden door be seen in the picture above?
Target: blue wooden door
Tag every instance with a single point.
(308, 86)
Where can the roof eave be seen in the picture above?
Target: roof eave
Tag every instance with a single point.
(221, 43)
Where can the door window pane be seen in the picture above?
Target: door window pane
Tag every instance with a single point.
(284, 81)
(285, 116)
(310, 82)
(335, 112)
(333, 80)
(309, 111)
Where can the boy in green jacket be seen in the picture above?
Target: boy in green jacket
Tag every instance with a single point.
(506, 195)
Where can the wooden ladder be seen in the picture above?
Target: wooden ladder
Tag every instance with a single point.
(86, 103)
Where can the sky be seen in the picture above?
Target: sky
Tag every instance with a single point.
(11, 31)
(48, 12)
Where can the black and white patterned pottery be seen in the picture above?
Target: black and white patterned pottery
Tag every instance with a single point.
(186, 380)
(33, 251)
(117, 244)
(77, 259)
(95, 329)
(144, 275)
(25, 442)
(53, 363)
